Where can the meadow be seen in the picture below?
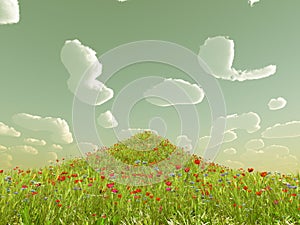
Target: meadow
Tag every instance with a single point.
(71, 191)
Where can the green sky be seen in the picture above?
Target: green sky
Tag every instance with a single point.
(34, 78)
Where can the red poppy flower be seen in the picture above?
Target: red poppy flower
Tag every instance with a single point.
(187, 169)
(169, 183)
(250, 170)
(263, 174)
(197, 161)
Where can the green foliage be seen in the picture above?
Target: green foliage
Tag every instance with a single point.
(72, 192)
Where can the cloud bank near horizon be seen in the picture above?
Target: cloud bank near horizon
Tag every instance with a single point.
(58, 127)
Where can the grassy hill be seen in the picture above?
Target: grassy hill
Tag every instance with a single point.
(74, 192)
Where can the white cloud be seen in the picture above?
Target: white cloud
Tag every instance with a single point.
(25, 149)
(5, 160)
(251, 2)
(287, 130)
(107, 120)
(51, 157)
(229, 136)
(58, 127)
(275, 104)
(233, 164)
(8, 131)
(230, 151)
(218, 54)
(248, 121)
(174, 92)
(184, 142)
(58, 147)
(87, 147)
(3, 148)
(34, 141)
(255, 144)
(9, 11)
(80, 60)
(122, 0)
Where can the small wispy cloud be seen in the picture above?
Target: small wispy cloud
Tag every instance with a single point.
(58, 127)
(107, 120)
(230, 151)
(275, 104)
(255, 144)
(34, 141)
(57, 147)
(5, 160)
(286, 130)
(247, 121)
(174, 92)
(25, 149)
(9, 11)
(5, 130)
(218, 54)
(81, 61)
(252, 2)
(3, 148)
(229, 136)
(184, 142)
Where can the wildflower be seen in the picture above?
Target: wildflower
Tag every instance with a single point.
(263, 174)
(258, 193)
(197, 161)
(187, 169)
(168, 183)
(110, 185)
(250, 170)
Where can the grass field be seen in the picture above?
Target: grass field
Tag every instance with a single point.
(75, 192)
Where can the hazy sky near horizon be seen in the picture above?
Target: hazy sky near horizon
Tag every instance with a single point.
(252, 49)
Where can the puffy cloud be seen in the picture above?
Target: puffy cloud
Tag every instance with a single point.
(229, 136)
(5, 160)
(57, 126)
(218, 54)
(233, 164)
(3, 148)
(34, 141)
(87, 147)
(230, 151)
(107, 120)
(251, 2)
(25, 149)
(248, 121)
(275, 104)
(122, 0)
(58, 147)
(8, 131)
(80, 60)
(255, 144)
(286, 130)
(271, 158)
(184, 142)
(51, 157)
(174, 92)
(9, 11)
